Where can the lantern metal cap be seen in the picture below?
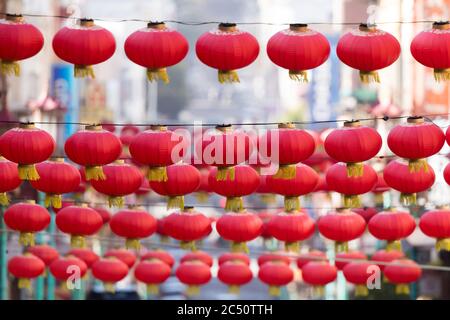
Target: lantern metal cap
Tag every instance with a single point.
(224, 127)
(57, 159)
(441, 25)
(227, 27)
(14, 17)
(156, 25)
(286, 125)
(352, 123)
(158, 127)
(299, 27)
(30, 201)
(367, 27)
(94, 127)
(119, 161)
(86, 22)
(188, 208)
(27, 125)
(415, 120)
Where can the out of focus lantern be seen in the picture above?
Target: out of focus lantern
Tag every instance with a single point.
(319, 274)
(275, 274)
(402, 272)
(194, 274)
(9, 179)
(436, 224)
(234, 274)
(26, 267)
(152, 272)
(109, 271)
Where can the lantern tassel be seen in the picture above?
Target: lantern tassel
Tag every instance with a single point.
(228, 76)
(408, 198)
(225, 172)
(442, 75)
(286, 172)
(26, 239)
(292, 246)
(53, 200)
(298, 75)
(352, 201)
(28, 172)
(188, 245)
(152, 289)
(291, 203)
(341, 246)
(319, 291)
(234, 204)
(117, 202)
(158, 74)
(157, 174)
(239, 247)
(77, 241)
(268, 198)
(401, 289)
(416, 165)
(274, 291)
(443, 244)
(394, 246)
(83, 72)
(94, 173)
(379, 199)
(4, 200)
(24, 283)
(109, 287)
(355, 169)
(133, 243)
(234, 289)
(10, 68)
(193, 290)
(369, 76)
(202, 196)
(361, 290)
(175, 202)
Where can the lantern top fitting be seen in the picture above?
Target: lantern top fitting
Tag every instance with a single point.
(94, 127)
(18, 18)
(224, 127)
(227, 27)
(415, 120)
(299, 27)
(26, 125)
(286, 125)
(57, 159)
(188, 208)
(352, 123)
(85, 22)
(441, 25)
(158, 127)
(368, 27)
(156, 25)
(30, 201)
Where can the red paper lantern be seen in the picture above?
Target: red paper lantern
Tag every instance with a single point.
(436, 224)
(152, 273)
(290, 145)
(367, 212)
(239, 228)
(341, 226)
(368, 50)
(398, 176)
(182, 179)
(402, 272)
(234, 274)
(154, 148)
(44, 252)
(274, 257)
(133, 224)
(193, 274)
(234, 256)
(312, 256)
(84, 45)
(26, 267)
(344, 258)
(126, 256)
(187, 226)
(245, 182)
(93, 148)
(358, 273)
(121, 179)
(385, 256)
(20, 40)
(56, 178)
(105, 214)
(291, 228)
(227, 49)
(160, 255)
(319, 274)
(447, 136)
(88, 256)
(78, 221)
(305, 181)
(298, 49)
(353, 144)
(64, 268)
(27, 218)
(392, 226)
(156, 48)
(109, 271)
(275, 274)
(447, 174)
(9, 179)
(430, 48)
(416, 141)
(351, 186)
(26, 146)
(198, 255)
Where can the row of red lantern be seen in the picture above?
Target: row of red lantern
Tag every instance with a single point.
(226, 49)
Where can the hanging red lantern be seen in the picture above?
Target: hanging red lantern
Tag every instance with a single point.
(193, 274)
(392, 226)
(162, 255)
(290, 146)
(416, 141)
(265, 218)
(64, 268)
(353, 144)
(402, 272)
(20, 40)
(88, 256)
(26, 267)
(274, 257)
(436, 224)
(291, 228)
(126, 256)
(344, 258)
(44, 252)
(227, 49)
(152, 272)
(298, 49)
(398, 176)
(311, 256)
(182, 179)
(26, 146)
(447, 136)
(105, 214)
(9, 179)
(198, 255)
(430, 48)
(56, 178)
(78, 221)
(234, 274)
(358, 274)
(133, 224)
(27, 218)
(305, 181)
(239, 227)
(121, 179)
(367, 212)
(109, 271)
(275, 274)
(84, 45)
(385, 256)
(447, 174)
(245, 182)
(351, 186)
(319, 274)
(156, 48)
(341, 226)
(234, 256)
(368, 50)
(187, 226)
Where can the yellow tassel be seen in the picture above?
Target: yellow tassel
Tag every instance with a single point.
(24, 283)
(152, 289)
(443, 244)
(416, 165)
(442, 75)
(369, 76)
(158, 74)
(132, 243)
(10, 68)
(193, 291)
(83, 72)
(408, 198)
(394, 246)
(224, 173)
(239, 247)
(229, 76)
(109, 287)
(401, 289)
(188, 245)
(341, 246)
(117, 202)
(53, 200)
(4, 200)
(361, 290)
(286, 172)
(352, 201)
(355, 169)
(292, 246)
(28, 172)
(175, 202)
(77, 241)
(94, 173)
(268, 198)
(26, 239)
(157, 174)
(274, 291)
(234, 204)
(202, 196)
(291, 203)
(234, 289)
(379, 199)
(319, 291)
(298, 75)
